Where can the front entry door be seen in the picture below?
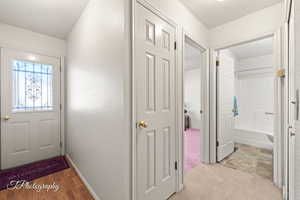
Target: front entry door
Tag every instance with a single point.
(155, 105)
(30, 108)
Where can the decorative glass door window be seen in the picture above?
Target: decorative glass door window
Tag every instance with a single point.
(32, 86)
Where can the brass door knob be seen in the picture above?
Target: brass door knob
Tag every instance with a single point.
(6, 118)
(142, 124)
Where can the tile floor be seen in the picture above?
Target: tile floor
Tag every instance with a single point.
(252, 160)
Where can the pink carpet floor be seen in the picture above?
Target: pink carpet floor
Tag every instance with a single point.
(191, 149)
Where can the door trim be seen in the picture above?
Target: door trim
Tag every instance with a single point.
(290, 138)
(213, 92)
(204, 97)
(213, 88)
(178, 173)
(61, 93)
(62, 108)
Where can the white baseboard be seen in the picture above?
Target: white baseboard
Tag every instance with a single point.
(88, 186)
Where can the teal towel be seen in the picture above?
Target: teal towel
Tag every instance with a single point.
(235, 107)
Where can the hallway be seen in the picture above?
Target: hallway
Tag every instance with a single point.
(137, 96)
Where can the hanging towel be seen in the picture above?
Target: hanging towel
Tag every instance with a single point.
(235, 107)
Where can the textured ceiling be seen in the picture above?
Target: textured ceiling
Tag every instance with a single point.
(50, 17)
(213, 13)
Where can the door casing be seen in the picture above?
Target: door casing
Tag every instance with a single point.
(213, 92)
(289, 190)
(213, 88)
(204, 92)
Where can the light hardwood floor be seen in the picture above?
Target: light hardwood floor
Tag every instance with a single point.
(71, 188)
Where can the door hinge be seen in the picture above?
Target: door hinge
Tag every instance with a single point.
(218, 143)
(175, 45)
(60, 106)
(176, 165)
(280, 73)
(217, 63)
(60, 144)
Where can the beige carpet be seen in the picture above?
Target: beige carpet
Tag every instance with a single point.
(216, 182)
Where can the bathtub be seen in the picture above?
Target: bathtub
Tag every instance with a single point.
(257, 138)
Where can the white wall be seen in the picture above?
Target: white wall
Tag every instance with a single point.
(22, 39)
(98, 138)
(251, 26)
(98, 85)
(255, 62)
(192, 95)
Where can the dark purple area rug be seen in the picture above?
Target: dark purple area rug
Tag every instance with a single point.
(29, 172)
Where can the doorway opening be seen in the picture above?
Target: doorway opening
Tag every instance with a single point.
(193, 92)
(246, 108)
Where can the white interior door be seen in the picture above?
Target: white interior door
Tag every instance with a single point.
(225, 118)
(30, 108)
(155, 105)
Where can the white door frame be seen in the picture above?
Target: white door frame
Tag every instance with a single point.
(61, 92)
(289, 165)
(213, 94)
(213, 88)
(157, 12)
(62, 107)
(204, 96)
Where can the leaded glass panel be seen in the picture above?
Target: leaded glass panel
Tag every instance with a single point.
(32, 86)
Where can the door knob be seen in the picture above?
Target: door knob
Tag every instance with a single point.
(6, 118)
(142, 124)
